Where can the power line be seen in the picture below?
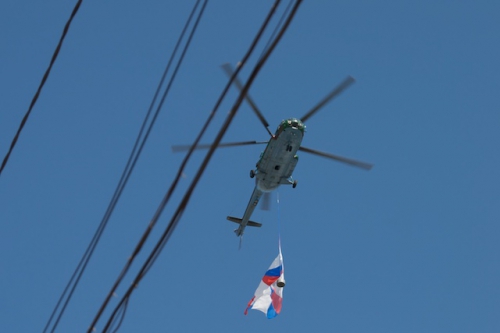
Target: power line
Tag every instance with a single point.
(275, 31)
(182, 206)
(134, 155)
(40, 86)
(143, 239)
(180, 171)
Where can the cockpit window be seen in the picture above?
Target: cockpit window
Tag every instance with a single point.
(293, 123)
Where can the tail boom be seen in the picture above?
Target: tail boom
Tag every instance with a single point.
(243, 222)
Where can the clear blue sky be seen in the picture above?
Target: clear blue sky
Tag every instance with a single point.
(410, 246)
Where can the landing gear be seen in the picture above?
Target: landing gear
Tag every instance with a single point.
(288, 181)
(252, 173)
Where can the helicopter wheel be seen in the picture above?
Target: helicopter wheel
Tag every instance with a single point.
(294, 185)
(252, 173)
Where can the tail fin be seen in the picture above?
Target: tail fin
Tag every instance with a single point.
(249, 223)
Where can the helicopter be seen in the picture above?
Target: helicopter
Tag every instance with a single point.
(277, 162)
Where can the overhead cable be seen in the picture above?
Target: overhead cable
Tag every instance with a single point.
(134, 156)
(40, 86)
(124, 271)
(182, 206)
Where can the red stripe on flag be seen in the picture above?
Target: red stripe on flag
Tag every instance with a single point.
(249, 305)
(276, 301)
(269, 280)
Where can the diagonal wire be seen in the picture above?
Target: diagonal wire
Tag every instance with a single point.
(42, 83)
(136, 151)
(122, 317)
(277, 27)
(182, 206)
(200, 14)
(179, 173)
(175, 219)
(175, 182)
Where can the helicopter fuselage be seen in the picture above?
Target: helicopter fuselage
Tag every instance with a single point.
(274, 168)
(277, 162)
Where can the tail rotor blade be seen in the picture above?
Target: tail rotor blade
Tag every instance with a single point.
(339, 89)
(229, 71)
(359, 164)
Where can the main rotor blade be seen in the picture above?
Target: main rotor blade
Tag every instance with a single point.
(229, 71)
(346, 160)
(341, 87)
(179, 148)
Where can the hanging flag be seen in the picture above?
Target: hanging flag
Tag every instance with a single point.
(269, 295)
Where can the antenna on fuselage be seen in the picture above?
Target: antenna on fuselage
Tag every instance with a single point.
(229, 71)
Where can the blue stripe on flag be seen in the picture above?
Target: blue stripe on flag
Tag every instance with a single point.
(276, 271)
(271, 313)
